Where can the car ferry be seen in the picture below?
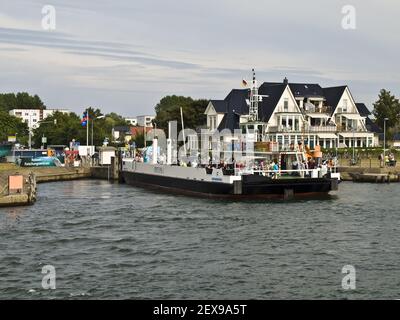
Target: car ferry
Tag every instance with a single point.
(264, 172)
(235, 180)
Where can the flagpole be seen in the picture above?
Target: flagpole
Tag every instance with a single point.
(87, 131)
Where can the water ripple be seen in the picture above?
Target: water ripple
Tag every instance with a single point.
(113, 241)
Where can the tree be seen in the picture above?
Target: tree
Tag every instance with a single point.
(8, 102)
(387, 106)
(21, 100)
(138, 139)
(114, 119)
(168, 109)
(69, 127)
(10, 125)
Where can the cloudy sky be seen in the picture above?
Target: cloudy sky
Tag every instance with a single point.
(124, 55)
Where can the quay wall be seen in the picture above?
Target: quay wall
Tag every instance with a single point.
(65, 175)
(108, 172)
(104, 173)
(347, 173)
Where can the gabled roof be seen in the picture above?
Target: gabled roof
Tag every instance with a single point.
(268, 104)
(236, 105)
(372, 126)
(220, 106)
(333, 95)
(230, 121)
(304, 90)
(236, 100)
(363, 110)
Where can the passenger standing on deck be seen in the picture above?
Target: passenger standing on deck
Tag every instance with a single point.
(276, 169)
(380, 158)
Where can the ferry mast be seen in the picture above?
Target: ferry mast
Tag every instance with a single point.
(254, 99)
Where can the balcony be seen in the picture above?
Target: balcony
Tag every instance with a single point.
(322, 129)
(349, 129)
(307, 129)
(283, 129)
(324, 110)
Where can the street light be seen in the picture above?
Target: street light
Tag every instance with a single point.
(30, 129)
(354, 143)
(384, 139)
(43, 137)
(99, 117)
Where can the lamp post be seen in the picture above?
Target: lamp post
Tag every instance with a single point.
(99, 117)
(43, 137)
(384, 139)
(30, 131)
(354, 142)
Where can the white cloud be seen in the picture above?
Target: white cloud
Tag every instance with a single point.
(112, 53)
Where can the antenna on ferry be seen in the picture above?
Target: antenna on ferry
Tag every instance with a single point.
(254, 99)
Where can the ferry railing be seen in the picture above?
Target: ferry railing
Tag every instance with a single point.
(302, 172)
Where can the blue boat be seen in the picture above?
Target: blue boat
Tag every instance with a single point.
(39, 162)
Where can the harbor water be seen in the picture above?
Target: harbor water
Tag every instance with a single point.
(114, 241)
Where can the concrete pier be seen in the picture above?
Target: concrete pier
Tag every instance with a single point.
(17, 189)
(31, 177)
(378, 175)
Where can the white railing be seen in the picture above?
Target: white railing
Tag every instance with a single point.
(240, 171)
(287, 129)
(322, 128)
(314, 173)
(348, 129)
(322, 110)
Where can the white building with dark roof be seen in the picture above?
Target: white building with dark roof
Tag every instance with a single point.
(292, 112)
